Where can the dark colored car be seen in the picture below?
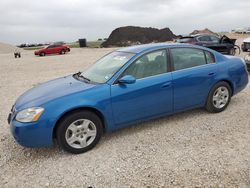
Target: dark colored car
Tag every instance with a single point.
(247, 60)
(223, 45)
(246, 45)
(52, 49)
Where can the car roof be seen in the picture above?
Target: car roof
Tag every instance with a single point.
(140, 48)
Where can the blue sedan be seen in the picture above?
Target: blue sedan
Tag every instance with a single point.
(124, 87)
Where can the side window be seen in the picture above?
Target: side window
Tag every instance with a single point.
(214, 39)
(153, 63)
(204, 39)
(184, 58)
(210, 57)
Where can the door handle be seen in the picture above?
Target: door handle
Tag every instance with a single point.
(166, 84)
(211, 73)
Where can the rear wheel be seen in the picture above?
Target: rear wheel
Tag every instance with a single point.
(79, 132)
(219, 97)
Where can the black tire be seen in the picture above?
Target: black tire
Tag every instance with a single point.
(210, 106)
(71, 118)
(62, 52)
(42, 54)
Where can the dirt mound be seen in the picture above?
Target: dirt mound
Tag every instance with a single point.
(130, 35)
(204, 31)
(7, 48)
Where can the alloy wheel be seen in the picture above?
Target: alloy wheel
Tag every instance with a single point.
(220, 97)
(81, 133)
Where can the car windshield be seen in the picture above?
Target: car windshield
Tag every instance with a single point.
(106, 67)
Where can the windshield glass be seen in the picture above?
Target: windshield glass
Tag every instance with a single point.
(107, 66)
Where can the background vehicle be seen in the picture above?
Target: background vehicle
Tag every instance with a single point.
(246, 45)
(223, 45)
(127, 86)
(247, 60)
(53, 49)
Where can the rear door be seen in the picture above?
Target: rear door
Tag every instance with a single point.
(193, 75)
(56, 49)
(49, 49)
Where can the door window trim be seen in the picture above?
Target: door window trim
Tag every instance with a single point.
(172, 61)
(160, 49)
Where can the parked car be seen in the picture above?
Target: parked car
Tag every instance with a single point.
(52, 49)
(127, 86)
(246, 45)
(247, 60)
(222, 44)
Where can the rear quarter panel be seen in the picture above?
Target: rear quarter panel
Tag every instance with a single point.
(233, 70)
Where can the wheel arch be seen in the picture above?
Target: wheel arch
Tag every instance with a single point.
(229, 83)
(91, 109)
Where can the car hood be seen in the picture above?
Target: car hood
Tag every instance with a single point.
(38, 50)
(50, 90)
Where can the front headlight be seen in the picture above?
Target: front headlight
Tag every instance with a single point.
(29, 114)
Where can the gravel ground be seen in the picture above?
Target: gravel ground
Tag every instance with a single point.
(191, 149)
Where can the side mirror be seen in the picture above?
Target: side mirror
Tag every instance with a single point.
(127, 79)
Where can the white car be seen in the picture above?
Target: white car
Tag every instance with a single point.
(247, 60)
(246, 45)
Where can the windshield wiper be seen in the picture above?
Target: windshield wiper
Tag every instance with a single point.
(79, 75)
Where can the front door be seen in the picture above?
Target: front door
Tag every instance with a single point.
(151, 94)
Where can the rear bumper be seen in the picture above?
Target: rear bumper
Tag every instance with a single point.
(36, 134)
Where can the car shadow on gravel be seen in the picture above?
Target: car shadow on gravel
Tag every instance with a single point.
(152, 124)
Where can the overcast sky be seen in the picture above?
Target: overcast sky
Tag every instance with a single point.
(31, 21)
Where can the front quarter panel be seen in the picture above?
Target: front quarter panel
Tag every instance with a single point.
(40, 133)
(97, 98)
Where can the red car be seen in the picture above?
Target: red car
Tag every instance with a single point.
(52, 49)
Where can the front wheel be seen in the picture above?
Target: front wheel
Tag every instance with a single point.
(62, 52)
(79, 132)
(219, 97)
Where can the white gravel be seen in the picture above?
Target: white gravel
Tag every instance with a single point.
(191, 149)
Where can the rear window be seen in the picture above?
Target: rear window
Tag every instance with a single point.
(210, 57)
(184, 58)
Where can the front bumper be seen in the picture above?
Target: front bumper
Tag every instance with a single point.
(36, 53)
(35, 134)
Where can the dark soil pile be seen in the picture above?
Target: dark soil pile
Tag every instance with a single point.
(130, 35)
